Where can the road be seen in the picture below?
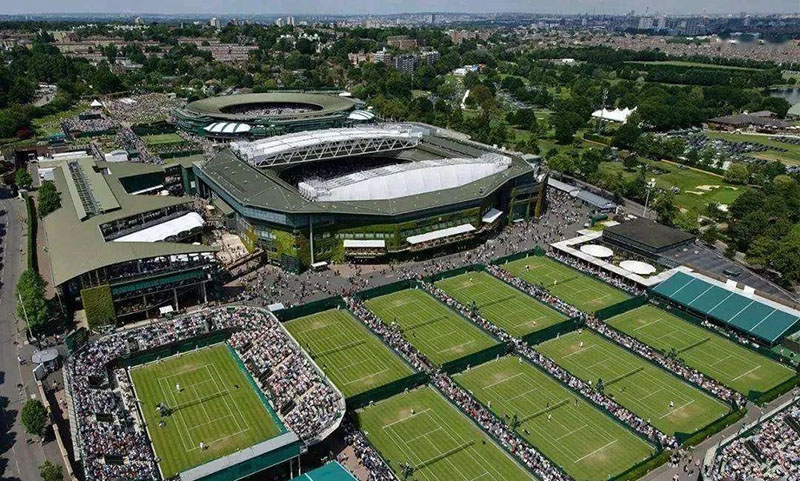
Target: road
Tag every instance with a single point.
(19, 460)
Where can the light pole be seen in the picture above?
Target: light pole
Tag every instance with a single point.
(650, 185)
(25, 313)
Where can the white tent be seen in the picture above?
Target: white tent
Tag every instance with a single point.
(616, 115)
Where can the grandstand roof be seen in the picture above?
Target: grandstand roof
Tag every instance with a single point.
(77, 247)
(402, 180)
(652, 234)
(440, 234)
(330, 472)
(738, 308)
(325, 104)
(263, 188)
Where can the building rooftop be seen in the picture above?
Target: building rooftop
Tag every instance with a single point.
(77, 246)
(650, 233)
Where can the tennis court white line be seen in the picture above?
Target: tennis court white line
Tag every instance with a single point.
(404, 419)
(570, 433)
(746, 373)
(596, 450)
(580, 350)
(677, 409)
(502, 381)
(438, 428)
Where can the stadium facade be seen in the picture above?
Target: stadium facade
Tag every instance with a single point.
(387, 190)
(267, 114)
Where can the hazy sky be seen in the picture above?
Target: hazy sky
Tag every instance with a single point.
(395, 6)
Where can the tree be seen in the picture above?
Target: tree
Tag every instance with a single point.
(23, 179)
(737, 173)
(34, 417)
(627, 135)
(664, 206)
(33, 306)
(631, 163)
(589, 162)
(49, 198)
(562, 163)
(51, 472)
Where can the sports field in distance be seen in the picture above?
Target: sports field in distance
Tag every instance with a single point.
(438, 332)
(354, 359)
(437, 441)
(722, 359)
(504, 306)
(633, 382)
(209, 400)
(584, 441)
(570, 285)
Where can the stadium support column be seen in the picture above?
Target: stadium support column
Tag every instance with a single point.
(311, 237)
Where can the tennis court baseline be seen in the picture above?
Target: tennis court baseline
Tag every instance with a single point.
(712, 354)
(669, 404)
(352, 357)
(570, 285)
(423, 430)
(585, 441)
(437, 331)
(504, 306)
(209, 400)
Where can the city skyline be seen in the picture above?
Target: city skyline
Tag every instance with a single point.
(371, 7)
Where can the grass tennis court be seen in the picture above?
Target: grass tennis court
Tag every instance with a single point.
(438, 332)
(354, 359)
(440, 443)
(635, 383)
(209, 400)
(570, 285)
(722, 359)
(504, 306)
(160, 139)
(581, 439)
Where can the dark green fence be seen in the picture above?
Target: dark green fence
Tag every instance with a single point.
(456, 272)
(387, 390)
(255, 388)
(385, 289)
(551, 332)
(167, 350)
(759, 397)
(640, 469)
(536, 251)
(620, 307)
(695, 438)
(310, 308)
(476, 358)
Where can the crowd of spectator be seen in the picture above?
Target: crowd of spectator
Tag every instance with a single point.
(128, 139)
(770, 451)
(81, 124)
(295, 386)
(142, 109)
(111, 437)
(266, 110)
(366, 454)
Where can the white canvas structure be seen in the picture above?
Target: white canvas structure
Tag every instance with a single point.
(596, 250)
(403, 180)
(616, 115)
(638, 267)
(227, 128)
(440, 234)
(491, 216)
(160, 232)
(364, 244)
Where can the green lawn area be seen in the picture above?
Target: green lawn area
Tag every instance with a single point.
(433, 328)
(161, 139)
(697, 188)
(504, 306)
(570, 285)
(634, 383)
(354, 359)
(792, 157)
(682, 63)
(722, 359)
(583, 440)
(216, 405)
(51, 124)
(422, 429)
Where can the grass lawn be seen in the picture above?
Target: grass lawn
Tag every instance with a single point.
(504, 306)
(354, 359)
(792, 157)
(161, 139)
(422, 429)
(585, 441)
(433, 328)
(216, 405)
(635, 383)
(718, 357)
(51, 124)
(697, 188)
(572, 286)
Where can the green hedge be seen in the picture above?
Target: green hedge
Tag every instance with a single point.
(620, 307)
(695, 438)
(476, 358)
(99, 306)
(310, 308)
(758, 397)
(387, 390)
(551, 332)
(639, 470)
(33, 260)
